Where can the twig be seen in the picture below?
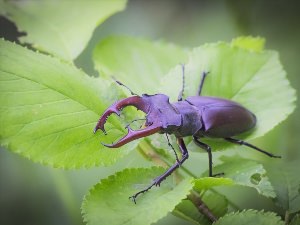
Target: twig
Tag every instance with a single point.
(201, 206)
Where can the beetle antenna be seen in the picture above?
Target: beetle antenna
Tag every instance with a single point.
(177, 159)
(135, 121)
(121, 84)
(204, 74)
(183, 84)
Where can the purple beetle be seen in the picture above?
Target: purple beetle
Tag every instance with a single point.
(196, 116)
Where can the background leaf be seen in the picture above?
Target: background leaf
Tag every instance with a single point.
(246, 172)
(48, 110)
(286, 182)
(205, 183)
(250, 217)
(62, 28)
(108, 203)
(135, 59)
(253, 44)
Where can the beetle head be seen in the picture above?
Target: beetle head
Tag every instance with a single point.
(160, 116)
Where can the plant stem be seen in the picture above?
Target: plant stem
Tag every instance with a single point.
(287, 217)
(201, 206)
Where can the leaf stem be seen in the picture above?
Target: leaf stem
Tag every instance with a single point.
(287, 217)
(201, 206)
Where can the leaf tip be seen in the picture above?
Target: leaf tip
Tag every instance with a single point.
(250, 43)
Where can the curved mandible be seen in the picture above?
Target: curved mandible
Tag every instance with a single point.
(116, 108)
(134, 134)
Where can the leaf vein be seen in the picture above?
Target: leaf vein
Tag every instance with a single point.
(50, 88)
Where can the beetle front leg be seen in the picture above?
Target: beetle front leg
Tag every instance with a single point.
(162, 177)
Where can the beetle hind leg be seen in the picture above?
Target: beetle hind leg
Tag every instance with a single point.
(240, 142)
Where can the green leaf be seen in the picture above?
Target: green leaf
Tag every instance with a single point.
(48, 110)
(246, 76)
(286, 182)
(138, 63)
(62, 28)
(108, 203)
(250, 43)
(205, 183)
(216, 203)
(246, 173)
(250, 217)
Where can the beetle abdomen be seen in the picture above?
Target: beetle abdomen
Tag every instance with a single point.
(222, 118)
(227, 121)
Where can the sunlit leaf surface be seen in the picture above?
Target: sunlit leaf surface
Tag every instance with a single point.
(49, 109)
(108, 202)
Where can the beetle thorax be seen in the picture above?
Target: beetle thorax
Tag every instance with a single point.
(180, 118)
(191, 121)
(162, 111)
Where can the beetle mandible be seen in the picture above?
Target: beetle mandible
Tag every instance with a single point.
(196, 116)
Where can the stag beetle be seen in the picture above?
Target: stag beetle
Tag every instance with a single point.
(196, 116)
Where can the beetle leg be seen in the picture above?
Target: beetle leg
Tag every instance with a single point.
(240, 142)
(162, 177)
(204, 74)
(207, 148)
(185, 155)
